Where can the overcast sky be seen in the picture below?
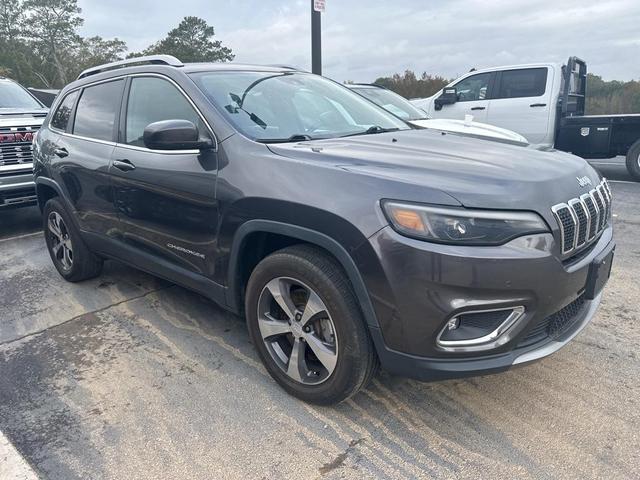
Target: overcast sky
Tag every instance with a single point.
(366, 39)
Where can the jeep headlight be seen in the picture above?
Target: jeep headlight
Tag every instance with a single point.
(461, 225)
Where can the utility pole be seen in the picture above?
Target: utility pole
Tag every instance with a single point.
(317, 7)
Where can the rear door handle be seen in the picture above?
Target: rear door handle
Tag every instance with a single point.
(478, 108)
(124, 165)
(61, 152)
(538, 105)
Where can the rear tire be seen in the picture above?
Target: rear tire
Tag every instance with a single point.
(633, 161)
(312, 295)
(70, 255)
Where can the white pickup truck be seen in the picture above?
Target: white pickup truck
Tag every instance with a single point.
(545, 103)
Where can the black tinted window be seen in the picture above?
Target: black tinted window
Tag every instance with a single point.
(60, 119)
(529, 82)
(152, 99)
(96, 112)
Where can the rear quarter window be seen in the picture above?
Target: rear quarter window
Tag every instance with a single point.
(527, 82)
(60, 119)
(96, 112)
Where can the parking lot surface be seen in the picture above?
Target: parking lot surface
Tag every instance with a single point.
(129, 376)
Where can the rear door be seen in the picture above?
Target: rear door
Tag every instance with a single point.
(165, 199)
(473, 99)
(521, 101)
(83, 152)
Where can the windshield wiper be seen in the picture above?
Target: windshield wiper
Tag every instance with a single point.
(298, 137)
(372, 131)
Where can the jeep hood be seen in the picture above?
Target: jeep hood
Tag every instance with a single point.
(478, 173)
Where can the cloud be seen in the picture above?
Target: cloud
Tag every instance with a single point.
(365, 40)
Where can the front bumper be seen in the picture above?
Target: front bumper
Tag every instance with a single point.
(17, 189)
(420, 286)
(431, 369)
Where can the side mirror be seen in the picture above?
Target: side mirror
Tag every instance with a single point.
(174, 135)
(449, 97)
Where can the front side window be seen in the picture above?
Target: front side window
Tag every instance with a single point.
(151, 100)
(473, 88)
(14, 96)
(60, 119)
(96, 112)
(528, 82)
(282, 106)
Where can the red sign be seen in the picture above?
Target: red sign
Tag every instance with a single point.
(319, 5)
(16, 137)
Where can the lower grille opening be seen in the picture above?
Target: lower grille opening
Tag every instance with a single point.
(16, 197)
(554, 325)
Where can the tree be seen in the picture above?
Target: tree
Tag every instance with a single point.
(96, 51)
(11, 20)
(410, 86)
(52, 28)
(191, 41)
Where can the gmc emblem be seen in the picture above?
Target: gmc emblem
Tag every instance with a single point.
(16, 137)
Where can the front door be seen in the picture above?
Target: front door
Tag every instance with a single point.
(473, 99)
(165, 199)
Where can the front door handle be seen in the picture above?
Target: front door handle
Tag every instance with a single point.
(124, 165)
(478, 108)
(61, 152)
(533, 105)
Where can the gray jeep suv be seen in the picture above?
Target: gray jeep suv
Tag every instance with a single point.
(347, 238)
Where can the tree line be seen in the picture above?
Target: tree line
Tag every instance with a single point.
(602, 96)
(40, 45)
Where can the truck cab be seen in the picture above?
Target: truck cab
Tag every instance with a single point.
(544, 102)
(21, 115)
(520, 98)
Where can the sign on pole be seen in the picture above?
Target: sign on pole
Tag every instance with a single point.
(319, 5)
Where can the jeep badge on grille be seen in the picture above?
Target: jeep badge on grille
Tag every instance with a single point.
(584, 181)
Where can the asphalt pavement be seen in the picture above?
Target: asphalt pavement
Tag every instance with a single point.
(129, 376)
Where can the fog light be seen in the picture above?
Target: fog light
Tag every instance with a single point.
(479, 330)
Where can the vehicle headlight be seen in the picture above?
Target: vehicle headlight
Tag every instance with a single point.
(460, 225)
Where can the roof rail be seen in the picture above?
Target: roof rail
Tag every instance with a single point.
(153, 59)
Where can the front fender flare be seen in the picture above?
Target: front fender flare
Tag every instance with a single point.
(307, 235)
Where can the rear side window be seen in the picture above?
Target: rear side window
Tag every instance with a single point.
(96, 112)
(60, 119)
(528, 82)
(153, 99)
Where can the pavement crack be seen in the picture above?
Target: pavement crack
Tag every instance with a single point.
(341, 458)
(92, 312)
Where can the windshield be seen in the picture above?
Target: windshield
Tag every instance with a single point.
(292, 106)
(392, 102)
(13, 95)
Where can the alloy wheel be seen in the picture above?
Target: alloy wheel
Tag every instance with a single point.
(61, 245)
(297, 330)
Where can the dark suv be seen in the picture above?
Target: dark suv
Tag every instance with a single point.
(346, 237)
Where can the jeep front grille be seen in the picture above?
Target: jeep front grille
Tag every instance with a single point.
(16, 152)
(582, 219)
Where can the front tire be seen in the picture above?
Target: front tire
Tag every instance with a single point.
(633, 161)
(305, 322)
(70, 255)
